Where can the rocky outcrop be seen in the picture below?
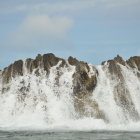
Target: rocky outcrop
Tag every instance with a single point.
(134, 62)
(121, 92)
(84, 81)
(13, 70)
(113, 66)
(44, 62)
(84, 85)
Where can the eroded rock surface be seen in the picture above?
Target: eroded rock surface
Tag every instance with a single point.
(13, 70)
(44, 62)
(84, 81)
(121, 93)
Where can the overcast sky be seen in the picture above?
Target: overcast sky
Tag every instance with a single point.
(90, 30)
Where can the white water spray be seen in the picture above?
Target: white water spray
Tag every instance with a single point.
(46, 102)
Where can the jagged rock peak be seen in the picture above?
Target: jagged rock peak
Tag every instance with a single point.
(45, 61)
(117, 59)
(80, 65)
(134, 62)
(11, 71)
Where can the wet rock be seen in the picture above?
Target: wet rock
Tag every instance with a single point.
(50, 60)
(84, 86)
(119, 60)
(121, 92)
(45, 62)
(29, 65)
(17, 68)
(13, 70)
(134, 62)
(84, 81)
(113, 66)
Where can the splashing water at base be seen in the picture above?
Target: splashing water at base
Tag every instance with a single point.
(49, 102)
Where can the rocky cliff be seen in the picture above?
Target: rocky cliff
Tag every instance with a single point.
(84, 82)
(121, 92)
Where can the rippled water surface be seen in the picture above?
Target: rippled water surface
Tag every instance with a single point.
(42, 135)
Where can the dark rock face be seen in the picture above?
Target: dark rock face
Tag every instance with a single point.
(121, 92)
(16, 69)
(49, 60)
(113, 66)
(134, 62)
(12, 71)
(46, 62)
(83, 88)
(84, 81)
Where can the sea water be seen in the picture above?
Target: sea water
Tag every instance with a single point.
(81, 135)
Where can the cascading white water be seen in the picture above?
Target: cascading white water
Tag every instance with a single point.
(38, 102)
(133, 84)
(45, 102)
(104, 96)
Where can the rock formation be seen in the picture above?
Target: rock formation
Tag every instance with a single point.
(85, 80)
(121, 92)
